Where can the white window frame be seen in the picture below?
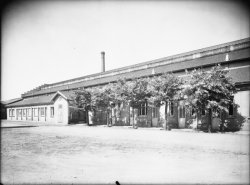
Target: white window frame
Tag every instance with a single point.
(42, 111)
(35, 112)
(24, 112)
(29, 112)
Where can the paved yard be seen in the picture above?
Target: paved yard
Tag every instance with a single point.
(81, 154)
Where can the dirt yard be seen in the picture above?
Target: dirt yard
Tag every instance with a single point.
(83, 155)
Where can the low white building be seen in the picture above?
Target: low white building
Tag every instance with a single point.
(53, 108)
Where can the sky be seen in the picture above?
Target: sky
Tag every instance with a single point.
(50, 41)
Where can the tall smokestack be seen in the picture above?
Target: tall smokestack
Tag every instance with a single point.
(103, 61)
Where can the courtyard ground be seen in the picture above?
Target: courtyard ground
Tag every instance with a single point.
(80, 154)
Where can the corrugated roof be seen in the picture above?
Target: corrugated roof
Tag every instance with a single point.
(41, 100)
(11, 101)
(175, 68)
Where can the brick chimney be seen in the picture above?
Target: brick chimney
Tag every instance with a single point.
(103, 61)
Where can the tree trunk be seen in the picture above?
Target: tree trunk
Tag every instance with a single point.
(135, 118)
(109, 118)
(222, 122)
(197, 118)
(90, 116)
(167, 127)
(209, 121)
(87, 116)
(133, 123)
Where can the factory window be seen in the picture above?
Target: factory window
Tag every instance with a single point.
(42, 111)
(24, 112)
(143, 109)
(19, 112)
(11, 112)
(29, 112)
(155, 112)
(182, 112)
(35, 112)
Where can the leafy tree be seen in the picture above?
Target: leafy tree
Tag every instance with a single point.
(210, 90)
(83, 99)
(138, 91)
(135, 91)
(163, 89)
(120, 91)
(102, 96)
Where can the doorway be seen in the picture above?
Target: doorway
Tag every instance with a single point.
(181, 115)
(60, 113)
(155, 115)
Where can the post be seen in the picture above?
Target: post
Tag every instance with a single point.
(103, 61)
(45, 113)
(32, 114)
(162, 115)
(209, 120)
(135, 125)
(38, 110)
(90, 116)
(166, 115)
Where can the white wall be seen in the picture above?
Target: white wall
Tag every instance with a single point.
(59, 101)
(46, 118)
(65, 110)
(242, 98)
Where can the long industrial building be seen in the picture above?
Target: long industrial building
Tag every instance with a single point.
(53, 103)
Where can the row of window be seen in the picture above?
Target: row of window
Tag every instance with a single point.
(143, 110)
(28, 112)
(182, 110)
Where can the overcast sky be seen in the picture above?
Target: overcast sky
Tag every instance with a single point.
(51, 41)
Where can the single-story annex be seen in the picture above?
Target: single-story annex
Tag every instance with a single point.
(53, 103)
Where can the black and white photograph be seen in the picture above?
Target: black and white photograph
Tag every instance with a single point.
(125, 92)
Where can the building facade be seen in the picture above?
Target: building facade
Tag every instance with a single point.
(52, 108)
(59, 108)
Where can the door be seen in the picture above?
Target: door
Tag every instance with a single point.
(155, 113)
(60, 113)
(135, 120)
(131, 114)
(181, 115)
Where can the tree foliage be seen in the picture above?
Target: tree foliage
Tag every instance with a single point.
(212, 89)
(165, 87)
(83, 99)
